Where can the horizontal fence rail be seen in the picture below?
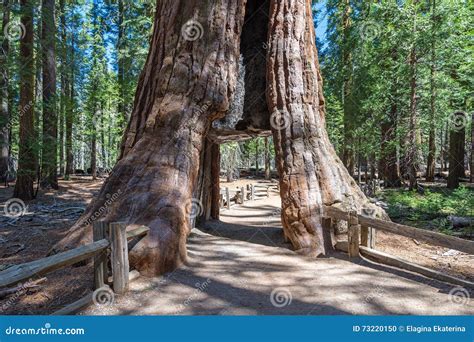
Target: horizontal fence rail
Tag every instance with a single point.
(107, 237)
(22, 272)
(427, 236)
(230, 197)
(361, 241)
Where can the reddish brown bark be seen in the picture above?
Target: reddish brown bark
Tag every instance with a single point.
(456, 155)
(187, 82)
(185, 85)
(70, 113)
(471, 178)
(311, 174)
(5, 121)
(389, 170)
(49, 162)
(431, 161)
(215, 173)
(27, 154)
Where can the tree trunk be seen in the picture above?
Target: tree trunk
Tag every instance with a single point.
(446, 147)
(49, 162)
(70, 113)
(412, 146)
(5, 121)
(27, 154)
(94, 144)
(120, 61)
(187, 82)
(348, 154)
(215, 180)
(389, 167)
(311, 174)
(256, 157)
(267, 159)
(471, 178)
(431, 162)
(456, 155)
(64, 87)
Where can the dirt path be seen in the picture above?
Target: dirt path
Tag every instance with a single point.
(240, 267)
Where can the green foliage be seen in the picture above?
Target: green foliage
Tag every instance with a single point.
(370, 56)
(435, 205)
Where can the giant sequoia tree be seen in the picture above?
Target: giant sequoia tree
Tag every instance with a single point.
(189, 81)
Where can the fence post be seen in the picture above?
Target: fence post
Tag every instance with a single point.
(353, 235)
(328, 233)
(367, 236)
(252, 192)
(227, 197)
(242, 193)
(100, 232)
(373, 237)
(119, 255)
(364, 236)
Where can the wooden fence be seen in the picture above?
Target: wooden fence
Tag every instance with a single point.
(230, 197)
(110, 244)
(361, 241)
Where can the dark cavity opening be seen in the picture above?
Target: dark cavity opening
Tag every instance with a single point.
(248, 112)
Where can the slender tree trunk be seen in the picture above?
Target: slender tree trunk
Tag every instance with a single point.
(389, 169)
(93, 151)
(256, 157)
(61, 134)
(103, 153)
(311, 174)
(471, 178)
(70, 114)
(27, 155)
(348, 154)
(456, 156)
(120, 60)
(267, 159)
(49, 162)
(187, 82)
(412, 153)
(431, 162)
(446, 147)
(5, 117)
(373, 164)
(64, 87)
(215, 180)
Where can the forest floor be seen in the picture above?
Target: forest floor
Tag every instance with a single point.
(234, 266)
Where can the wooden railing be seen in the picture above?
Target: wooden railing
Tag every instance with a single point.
(361, 241)
(251, 192)
(110, 241)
